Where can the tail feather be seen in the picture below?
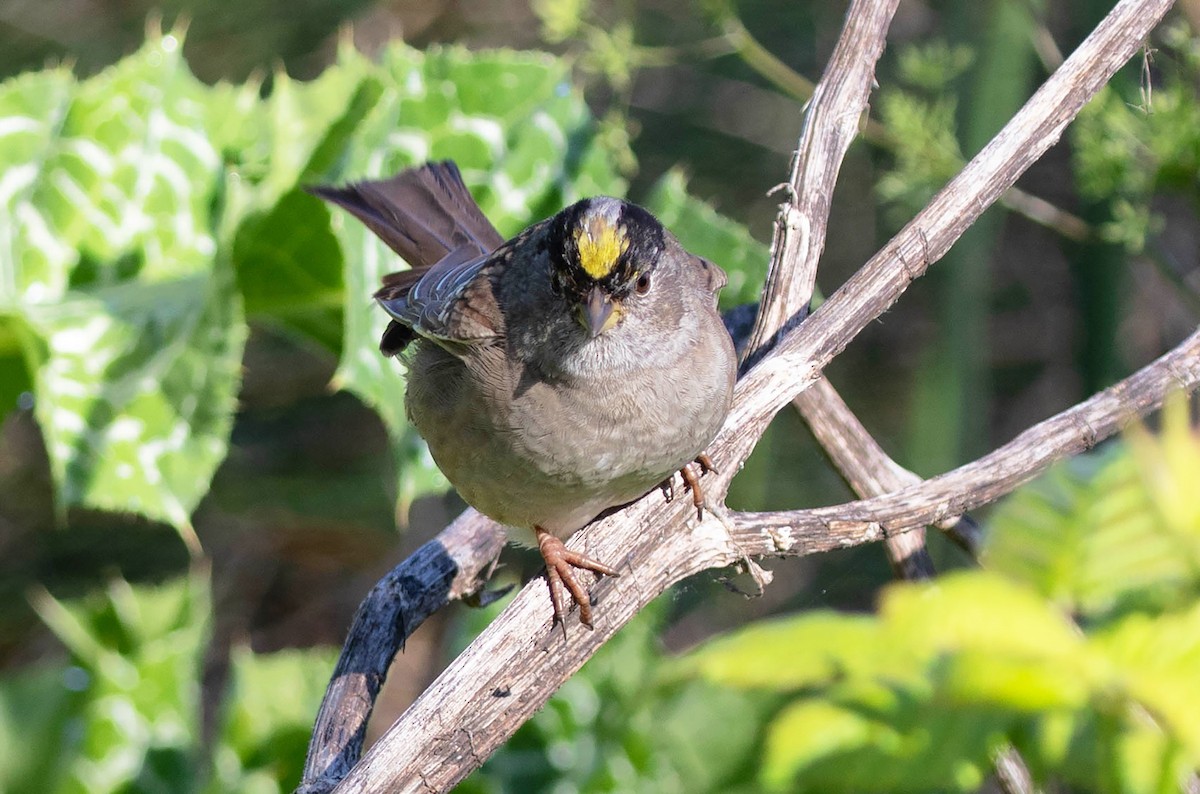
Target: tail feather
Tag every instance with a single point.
(424, 214)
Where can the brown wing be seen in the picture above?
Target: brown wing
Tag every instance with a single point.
(428, 216)
(451, 302)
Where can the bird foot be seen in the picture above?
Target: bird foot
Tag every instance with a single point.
(691, 472)
(560, 574)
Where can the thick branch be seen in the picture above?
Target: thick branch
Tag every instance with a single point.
(450, 566)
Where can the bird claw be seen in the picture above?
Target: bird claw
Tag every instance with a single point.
(691, 472)
(560, 575)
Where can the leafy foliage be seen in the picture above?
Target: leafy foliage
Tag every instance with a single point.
(919, 116)
(109, 266)
(1129, 148)
(621, 725)
(1079, 647)
(123, 714)
(149, 209)
(706, 233)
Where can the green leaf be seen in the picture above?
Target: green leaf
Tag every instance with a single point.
(267, 719)
(289, 268)
(136, 396)
(1090, 536)
(816, 746)
(1170, 468)
(136, 655)
(927, 152)
(961, 611)
(975, 678)
(807, 731)
(296, 134)
(706, 233)
(561, 19)
(37, 706)
(1154, 661)
(32, 257)
(917, 699)
(790, 653)
(125, 188)
(934, 67)
(107, 247)
(17, 346)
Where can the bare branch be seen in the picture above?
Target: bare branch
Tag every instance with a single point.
(450, 566)
(833, 120)
(1036, 127)
(981, 481)
(831, 123)
(518, 662)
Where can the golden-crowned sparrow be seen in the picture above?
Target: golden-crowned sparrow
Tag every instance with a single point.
(555, 375)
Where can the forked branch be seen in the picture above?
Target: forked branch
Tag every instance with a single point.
(518, 662)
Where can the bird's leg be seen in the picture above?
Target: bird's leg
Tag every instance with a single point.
(691, 473)
(559, 574)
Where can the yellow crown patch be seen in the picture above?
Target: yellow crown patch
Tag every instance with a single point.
(600, 245)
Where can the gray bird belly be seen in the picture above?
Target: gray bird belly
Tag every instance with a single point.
(557, 455)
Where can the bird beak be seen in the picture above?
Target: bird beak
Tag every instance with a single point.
(599, 313)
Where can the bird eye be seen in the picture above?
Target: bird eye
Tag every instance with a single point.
(643, 284)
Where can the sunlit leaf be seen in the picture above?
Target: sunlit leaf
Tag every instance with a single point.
(978, 611)
(109, 246)
(136, 396)
(135, 669)
(1154, 661)
(1089, 536)
(790, 653)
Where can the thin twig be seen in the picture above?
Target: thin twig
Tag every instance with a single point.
(831, 123)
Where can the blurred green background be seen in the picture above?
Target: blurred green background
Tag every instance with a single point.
(690, 109)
